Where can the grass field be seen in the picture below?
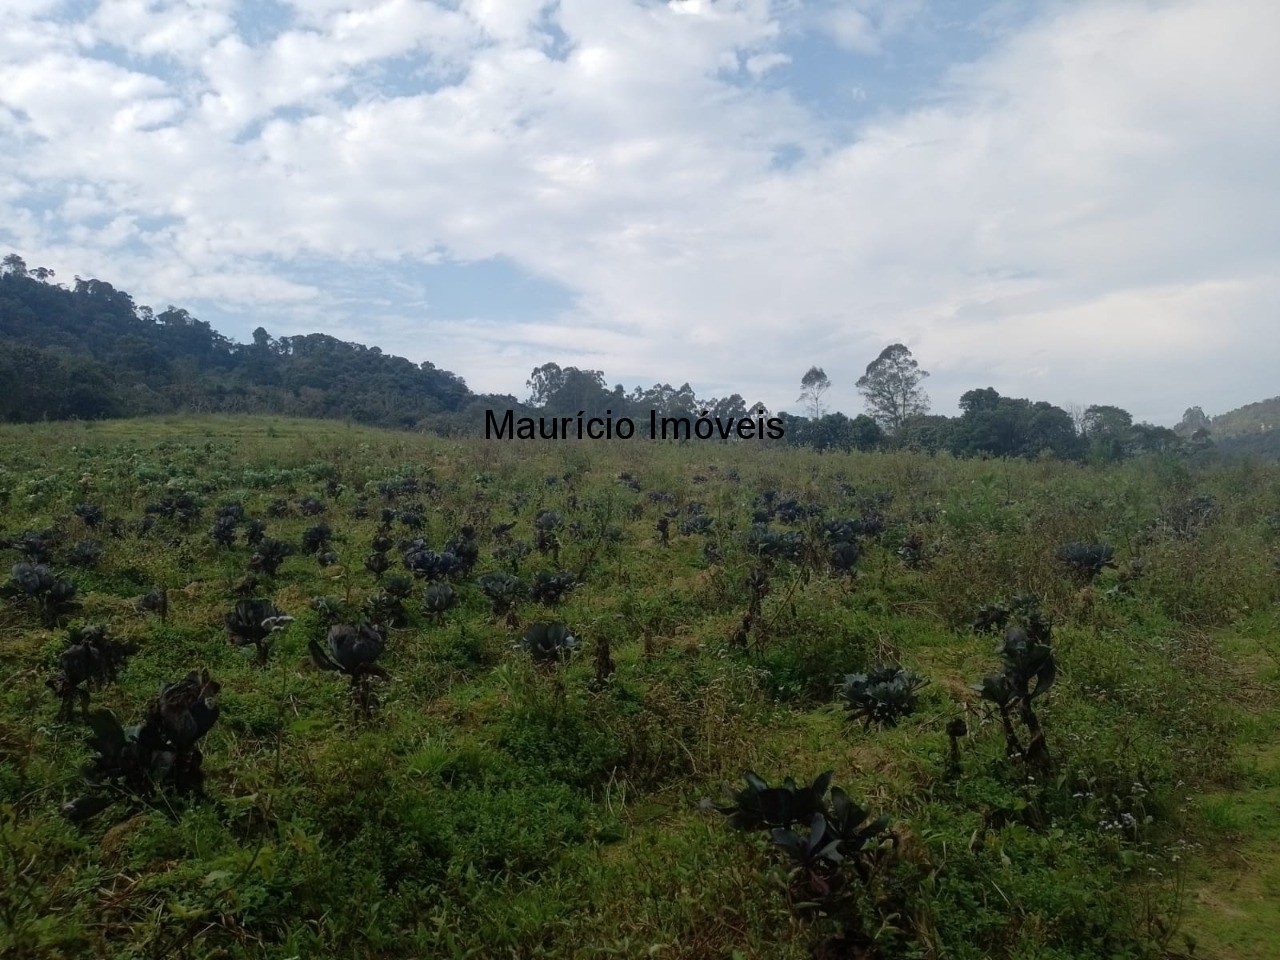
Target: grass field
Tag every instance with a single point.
(479, 802)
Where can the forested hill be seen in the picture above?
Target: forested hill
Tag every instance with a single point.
(1254, 428)
(90, 352)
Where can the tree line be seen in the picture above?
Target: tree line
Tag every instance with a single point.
(897, 417)
(89, 352)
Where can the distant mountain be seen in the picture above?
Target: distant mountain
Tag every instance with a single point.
(90, 352)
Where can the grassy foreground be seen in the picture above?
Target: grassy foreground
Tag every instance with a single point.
(488, 806)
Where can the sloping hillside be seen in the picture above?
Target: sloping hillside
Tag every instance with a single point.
(1253, 429)
(1253, 418)
(89, 352)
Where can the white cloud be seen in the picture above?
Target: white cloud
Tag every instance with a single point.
(507, 21)
(175, 30)
(1088, 208)
(762, 63)
(862, 26)
(852, 29)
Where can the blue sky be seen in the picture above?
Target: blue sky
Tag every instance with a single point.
(1072, 202)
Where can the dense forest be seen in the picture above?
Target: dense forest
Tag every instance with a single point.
(90, 352)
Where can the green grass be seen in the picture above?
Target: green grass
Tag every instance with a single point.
(1233, 878)
(492, 808)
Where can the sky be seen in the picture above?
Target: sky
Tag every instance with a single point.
(1074, 202)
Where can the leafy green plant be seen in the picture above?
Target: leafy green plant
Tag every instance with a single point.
(317, 537)
(1024, 608)
(546, 526)
(844, 556)
(883, 695)
(269, 555)
(35, 584)
(465, 549)
(177, 505)
(159, 753)
(35, 546)
(386, 609)
(438, 599)
(770, 545)
(550, 588)
(377, 563)
(224, 531)
(757, 584)
(154, 601)
(90, 658)
(813, 855)
(89, 513)
(398, 586)
(760, 805)
(991, 618)
(504, 592)
(252, 624)
(699, 523)
(426, 564)
(1087, 560)
(549, 642)
(913, 551)
(84, 554)
(255, 531)
(511, 555)
(351, 649)
(311, 506)
(328, 609)
(838, 831)
(852, 824)
(1029, 671)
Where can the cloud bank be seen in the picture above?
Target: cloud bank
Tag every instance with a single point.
(1077, 207)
